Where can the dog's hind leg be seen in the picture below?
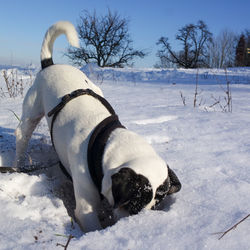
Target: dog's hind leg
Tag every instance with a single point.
(31, 116)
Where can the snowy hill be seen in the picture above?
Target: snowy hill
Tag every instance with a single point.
(209, 150)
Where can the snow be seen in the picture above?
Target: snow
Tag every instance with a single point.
(207, 148)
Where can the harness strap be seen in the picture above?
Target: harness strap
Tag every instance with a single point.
(98, 138)
(65, 99)
(96, 146)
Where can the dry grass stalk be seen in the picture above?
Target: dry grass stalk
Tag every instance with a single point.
(228, 98)
(14, 84)
(196, 88)
(231, 228)
(67, 244)
(183, 98)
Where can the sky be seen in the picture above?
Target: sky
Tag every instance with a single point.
(24, 23)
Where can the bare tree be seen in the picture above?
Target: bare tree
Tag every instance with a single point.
(222, 50)
(104, 40)
(194, 39)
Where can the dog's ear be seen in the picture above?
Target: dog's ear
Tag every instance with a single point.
(120, 186)
(162, 191)
(170, 185)
(175, 184)
(130, 190)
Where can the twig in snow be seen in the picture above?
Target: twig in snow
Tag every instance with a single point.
(183, 99)
(196, 88)
(231, 228)
(26, 169)
(217, 102)
(67, 244)
(228, 98)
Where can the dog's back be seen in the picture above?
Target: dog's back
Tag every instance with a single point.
(51, 84)
(55, 81)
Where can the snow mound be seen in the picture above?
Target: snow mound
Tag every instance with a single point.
(168, 76)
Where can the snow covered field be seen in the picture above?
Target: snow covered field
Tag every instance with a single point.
(208, 149)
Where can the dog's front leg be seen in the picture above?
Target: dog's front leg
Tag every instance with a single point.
(87, 216)
(87, 199)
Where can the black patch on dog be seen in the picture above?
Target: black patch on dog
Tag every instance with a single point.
(46, 63)
(131, 191)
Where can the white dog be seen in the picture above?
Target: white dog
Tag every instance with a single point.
(130, 175)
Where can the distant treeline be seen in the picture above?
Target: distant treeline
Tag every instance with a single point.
(105, 40)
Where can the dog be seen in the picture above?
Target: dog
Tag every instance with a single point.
(133, 176)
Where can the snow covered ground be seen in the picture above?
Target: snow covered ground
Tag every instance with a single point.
(208, 149)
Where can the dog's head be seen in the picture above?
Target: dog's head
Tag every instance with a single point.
(132, 192)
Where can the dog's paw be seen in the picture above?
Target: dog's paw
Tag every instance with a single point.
(105, 214)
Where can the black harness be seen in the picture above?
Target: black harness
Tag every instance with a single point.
(98, 138)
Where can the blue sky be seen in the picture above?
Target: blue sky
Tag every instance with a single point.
(24, 23)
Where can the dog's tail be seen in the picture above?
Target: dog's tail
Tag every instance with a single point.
(62, 27)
